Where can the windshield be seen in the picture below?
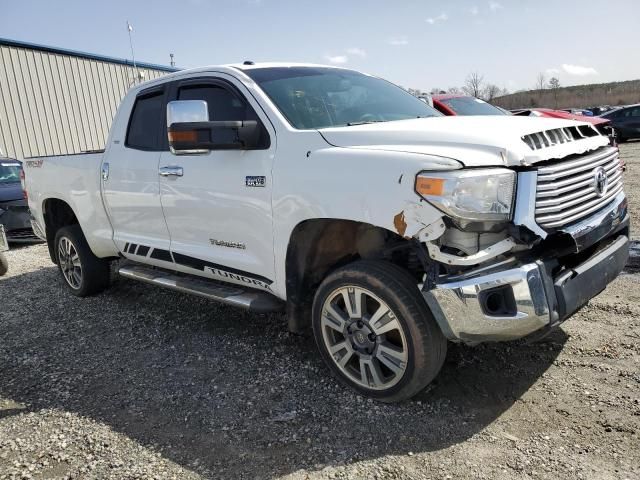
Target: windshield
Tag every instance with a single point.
(471, 106)
(9, 171)
(312, 97)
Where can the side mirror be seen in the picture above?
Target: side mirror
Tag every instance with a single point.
(190, 131)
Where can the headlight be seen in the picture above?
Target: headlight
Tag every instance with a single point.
(473, 195)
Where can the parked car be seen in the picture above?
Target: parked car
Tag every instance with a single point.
(14, 211)
(376, 222)
(456, 104)
(578, 111)
(600, 110)
(625, 122)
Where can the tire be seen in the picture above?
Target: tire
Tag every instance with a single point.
(4, 265)
(83, 273)
(619, 137)
(400, 352)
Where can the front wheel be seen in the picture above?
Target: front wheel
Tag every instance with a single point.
(375, 331)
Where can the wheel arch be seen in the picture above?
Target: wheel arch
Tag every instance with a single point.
(318, 246)
(57, 213)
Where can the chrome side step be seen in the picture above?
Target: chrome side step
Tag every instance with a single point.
(254, 300)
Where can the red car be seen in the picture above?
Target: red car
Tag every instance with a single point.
(456, 104)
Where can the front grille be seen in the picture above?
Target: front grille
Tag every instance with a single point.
(566, 189)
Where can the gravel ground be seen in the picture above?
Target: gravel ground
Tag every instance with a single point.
(144, 383)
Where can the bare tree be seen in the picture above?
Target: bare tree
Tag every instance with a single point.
(491, 91)
(473, 84)
(554, 84)
(541, 82)
(454, 90)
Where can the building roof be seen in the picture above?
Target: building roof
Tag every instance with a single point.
(74, 53)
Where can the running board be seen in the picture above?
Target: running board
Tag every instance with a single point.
(225, 293)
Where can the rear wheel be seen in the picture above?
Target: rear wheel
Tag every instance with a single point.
(619, 137)
(375, 332)
(83, 272)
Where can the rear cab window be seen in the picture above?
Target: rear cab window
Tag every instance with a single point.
(146, 121)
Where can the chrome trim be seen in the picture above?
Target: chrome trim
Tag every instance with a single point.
(525, 199)
(457, 308)
(553, 170)
(105, 171)
(595, 227)
(566, 191)
(171, 171)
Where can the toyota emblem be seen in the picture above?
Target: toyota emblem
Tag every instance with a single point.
(600, 181)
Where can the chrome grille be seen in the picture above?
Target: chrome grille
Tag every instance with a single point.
(566, 190)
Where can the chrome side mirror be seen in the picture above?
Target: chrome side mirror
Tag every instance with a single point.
(185, 111)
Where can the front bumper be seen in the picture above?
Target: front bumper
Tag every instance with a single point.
(15, 217)
(511, 304)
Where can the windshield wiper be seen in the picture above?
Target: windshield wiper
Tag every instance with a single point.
(364, 122)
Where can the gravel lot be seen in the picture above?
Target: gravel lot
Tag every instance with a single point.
(144, 383)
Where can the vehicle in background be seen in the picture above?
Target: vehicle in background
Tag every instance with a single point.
(578, 111)
(381, 225)
(625, 122)
(456, 104)
(14, 210)
(600, 110)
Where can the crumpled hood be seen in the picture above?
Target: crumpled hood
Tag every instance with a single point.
(472, 140)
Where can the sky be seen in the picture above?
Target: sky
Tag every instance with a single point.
(417, 44)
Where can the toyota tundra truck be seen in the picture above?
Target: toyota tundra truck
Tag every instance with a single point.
(383, 227)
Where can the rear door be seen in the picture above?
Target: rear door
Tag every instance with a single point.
(219, 209)
(131, 188)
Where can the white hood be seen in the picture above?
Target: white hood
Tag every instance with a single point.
(472, 140)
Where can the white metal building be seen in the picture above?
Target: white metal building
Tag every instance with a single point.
(55, 101)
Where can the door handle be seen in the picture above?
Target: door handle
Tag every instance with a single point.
(171, 171)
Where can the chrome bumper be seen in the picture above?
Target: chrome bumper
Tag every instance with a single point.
(534, 298)
(459, 312)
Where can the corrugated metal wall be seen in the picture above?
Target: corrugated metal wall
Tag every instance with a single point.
(53, 104)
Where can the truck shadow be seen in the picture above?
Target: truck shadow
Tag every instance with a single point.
(228, 393)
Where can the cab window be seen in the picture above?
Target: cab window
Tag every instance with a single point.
(146, 121)
(223, 104)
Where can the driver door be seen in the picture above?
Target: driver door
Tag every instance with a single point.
(218, 208)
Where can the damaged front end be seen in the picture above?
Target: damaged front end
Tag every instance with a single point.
(531, 254)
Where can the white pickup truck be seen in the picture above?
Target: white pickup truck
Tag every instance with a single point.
(381, 225)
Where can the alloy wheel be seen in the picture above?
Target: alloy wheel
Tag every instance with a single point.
(364, 338)
(70, 263)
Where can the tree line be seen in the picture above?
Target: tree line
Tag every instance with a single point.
(547, 93)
